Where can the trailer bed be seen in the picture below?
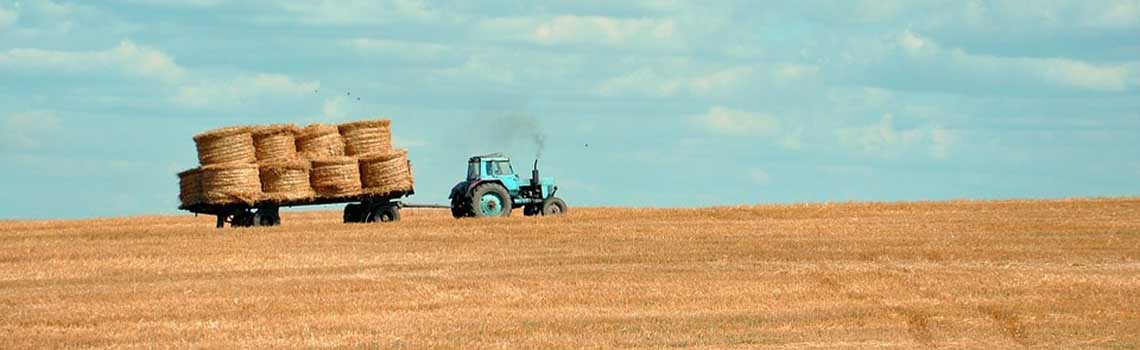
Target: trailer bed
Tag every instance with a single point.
(359, 208)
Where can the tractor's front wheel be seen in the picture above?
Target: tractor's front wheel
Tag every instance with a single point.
(490, 200)
(554, 206)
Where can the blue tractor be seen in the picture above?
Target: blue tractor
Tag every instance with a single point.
(492, 188)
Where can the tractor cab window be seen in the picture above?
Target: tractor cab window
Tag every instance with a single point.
(473, 170)
(503, 169)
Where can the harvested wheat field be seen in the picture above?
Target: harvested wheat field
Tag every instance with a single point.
(1001, 274)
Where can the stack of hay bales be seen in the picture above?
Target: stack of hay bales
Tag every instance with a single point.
(320, 141)
(386, 173)
(367, 137)
(275, 143)
(286, 181)
(335, 177)
(190, 187)
(285, 164)
(226, 175)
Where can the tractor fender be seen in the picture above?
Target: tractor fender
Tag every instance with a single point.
(463, 189)
(457, 190)
(471, 187)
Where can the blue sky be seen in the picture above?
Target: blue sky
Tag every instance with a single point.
(680, 103)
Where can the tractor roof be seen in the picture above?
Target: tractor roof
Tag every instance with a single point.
(492, 156)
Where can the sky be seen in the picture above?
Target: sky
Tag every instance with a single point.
(638, 103)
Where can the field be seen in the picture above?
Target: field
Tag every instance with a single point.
(964, 274)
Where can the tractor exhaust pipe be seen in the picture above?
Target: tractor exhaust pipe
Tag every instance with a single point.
(534, 174)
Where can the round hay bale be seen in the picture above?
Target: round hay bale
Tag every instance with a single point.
(319, 141)
(275, 143)
(231, 183)
(335, 177)
(286, 181)
(190, 187)
(226, 145)
(367, 137)
(386, 173)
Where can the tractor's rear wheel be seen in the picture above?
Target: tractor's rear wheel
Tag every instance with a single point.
(490, 200)
(554, 206)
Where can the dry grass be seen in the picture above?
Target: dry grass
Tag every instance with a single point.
(1010, 274)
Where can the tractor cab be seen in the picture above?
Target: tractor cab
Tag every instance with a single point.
(493, 188)
(493, 168)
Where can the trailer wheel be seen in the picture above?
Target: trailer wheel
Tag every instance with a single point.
(554, 206)
(385, 214)
(266, 217)
(352, 213)
(243, 218)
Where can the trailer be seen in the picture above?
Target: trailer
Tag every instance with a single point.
(363, 208)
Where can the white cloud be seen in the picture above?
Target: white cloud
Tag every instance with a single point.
(216, 92)
(27, 130)
(335, 108)
(1117, 15)
(405, 49)
(353, 12)
(8, 18)
(402, 142)
(942, 141)
(644, 81)
(584, 30)
(127, 57)
(179, 3)
(759, 177)
(1054, 72)
(847, 170)
(883, 139)
(650, 82)
(794, 72)
(603, 30)
(726, 121)
(186, 87)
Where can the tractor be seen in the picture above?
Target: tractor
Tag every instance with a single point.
(492, 188)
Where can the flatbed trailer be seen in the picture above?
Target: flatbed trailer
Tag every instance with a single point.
(361, 208)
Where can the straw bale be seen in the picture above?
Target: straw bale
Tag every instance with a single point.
(286, 181)
(226, 145)
(335, 177)
(190, 187)
(231, 183)
(275, 143)
(386, 173)
(318, 141)
(367, 137)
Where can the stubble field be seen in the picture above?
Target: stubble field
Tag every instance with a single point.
(995, 274)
